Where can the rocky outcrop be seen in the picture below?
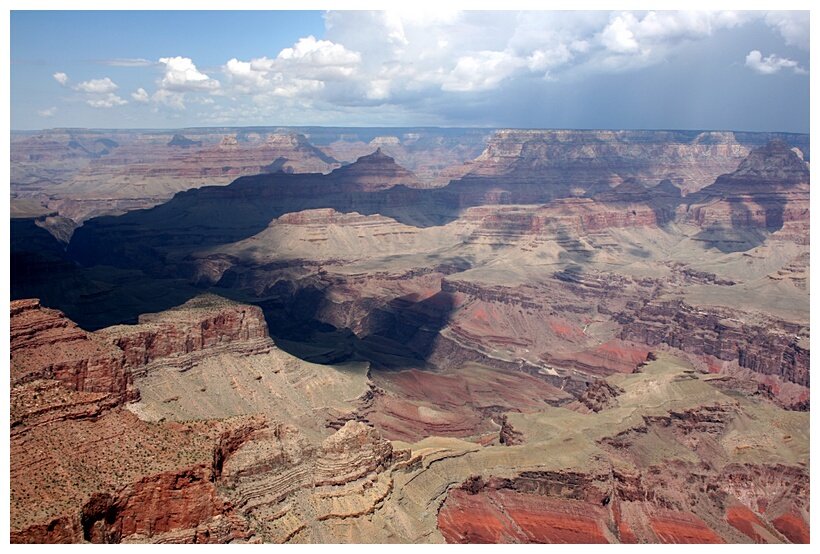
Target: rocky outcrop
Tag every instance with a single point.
(567, 160)
(351, 453)
(182, 503)
(86, 470)
(183, 142)
(375, 172)
(764, 345)
(110, 478)
(285, 485)
(769, 190)
(201, 326)
(774, 166)
(600, 395)
(47, 345)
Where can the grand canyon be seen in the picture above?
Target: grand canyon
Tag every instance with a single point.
(409, 335)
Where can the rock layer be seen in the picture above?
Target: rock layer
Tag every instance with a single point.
(47, 345)
(204, 323)
(85, 468)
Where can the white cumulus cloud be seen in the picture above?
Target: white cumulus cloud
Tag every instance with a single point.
(301, 71)
(793, 26)
(181, 75)
(49, 112)
(313, 59)
(482, 71)
(618, 36)
(247, 77)
(109, 100)
(170, 99)
(141, 96)
(771, 64)
(60, 77)
(321, 53)
(97, 86)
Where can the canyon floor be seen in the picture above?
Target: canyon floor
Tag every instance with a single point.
(409, 336)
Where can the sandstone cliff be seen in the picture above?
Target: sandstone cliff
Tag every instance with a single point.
(198, 327)
(85, 468)
(47, 345)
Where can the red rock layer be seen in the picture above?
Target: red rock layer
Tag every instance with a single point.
(83, 468)
(160, 504)
(473, 519)
(795, 528)
(512, 517)
(749, 523)
(557, 521)
(47, 345)
(205, 322)
(682, 528)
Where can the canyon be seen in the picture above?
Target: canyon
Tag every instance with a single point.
(322, 335)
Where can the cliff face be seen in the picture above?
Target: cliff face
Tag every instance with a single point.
(767, 347)
(205, 323)
(86, 469)
(769, 190)
(579, 160)
(47, 345)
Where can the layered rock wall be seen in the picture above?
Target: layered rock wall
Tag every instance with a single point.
(47, 345)
(176, 336)
(769, 347)
(690, 160)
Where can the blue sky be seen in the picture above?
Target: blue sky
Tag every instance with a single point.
(588, 69)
